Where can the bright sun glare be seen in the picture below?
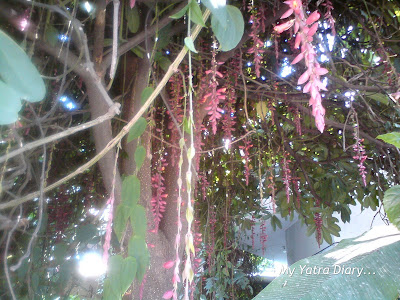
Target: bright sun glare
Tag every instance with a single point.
(91, 265)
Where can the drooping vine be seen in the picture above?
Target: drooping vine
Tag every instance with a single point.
(305, 29)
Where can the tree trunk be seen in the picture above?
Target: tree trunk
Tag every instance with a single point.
(157, 279)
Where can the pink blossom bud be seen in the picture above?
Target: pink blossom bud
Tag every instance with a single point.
(313, 17)
(321, 71)
(303, 78)
(297, 41)
(168, 294)
(296, 27)
(169, 264)
(314, 90)
(285, 26)
(313, 29)
(287, 14)
(298, 58)
(320, 123)
(307, 87)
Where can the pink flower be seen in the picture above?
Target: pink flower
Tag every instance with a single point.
(283, 27)
(313, 17)
(296, 5)
(298, 58)
(169, 264)
(303, 78)
(321, 71)
(313, 30)
(287, 14)
(168, 294)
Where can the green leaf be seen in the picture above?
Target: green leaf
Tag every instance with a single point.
(189, 43)
(18, 72)
(379, 97)
(140, 155)
(137, 248)
(164, 36)
(35, 281)
(65, 272)
(230, 35)
(10, 104)
(130, 193)
(391, 203)
(60, 252)
(164, 63)
(121, 273)
(391, 138)
(85, 233)
(108, 292)
(180, 13)
(132, 18)
(220, 13)
(139, 221)
(146, 94)
(137, 129)
(51, 35)
(195, 13)
(121, 217)
(138, 52)
(187, 126)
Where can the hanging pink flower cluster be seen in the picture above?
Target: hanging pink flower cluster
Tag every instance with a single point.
(158, 202)
(228, 120)
(359, 149)
(197, 259)
(253, 223)
(297, 119)
(246, 157)
(328, 15)
(198, 141)
(107, 240)
(204, 185)
(263, 236)
(272, 188)
(305, 30)
(286, 176)
(296, 184)
(262, 15)
(258, 45)
(60, 212)
(214, 97)
(318, 226)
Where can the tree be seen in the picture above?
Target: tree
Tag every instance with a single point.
(203, 140)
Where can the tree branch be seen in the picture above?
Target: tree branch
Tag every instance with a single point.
(338, 125)
(140, 37)
(111, 113)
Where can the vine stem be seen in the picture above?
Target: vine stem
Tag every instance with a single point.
(115, 40)
(171, 70)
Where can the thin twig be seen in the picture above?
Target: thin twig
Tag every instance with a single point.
(233, 142)
(10, 287)
(41, 203)
(115, 40)
(110, 114)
